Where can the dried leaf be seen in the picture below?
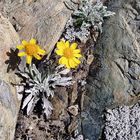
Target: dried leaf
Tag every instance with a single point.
(74, 93)
(73, 126)
(90, 59)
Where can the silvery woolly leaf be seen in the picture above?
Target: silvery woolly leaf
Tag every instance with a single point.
(55, 77)
(36, 80)
(35, 69)
(27, 100)
(49, 92)
(64, 84)
(25, 75)
(30, 105)
(37, 73)
(39, 77)
(109, 13)
(65, 71)
(28, 90)
(100, 26)
(85, 25)
(65, 79)
(47, 106)
(34, 88)
(59, 67)
(31, 84)
(78, 13)
(46, 81)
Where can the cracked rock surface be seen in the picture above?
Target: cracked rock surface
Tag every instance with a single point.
(114, 77)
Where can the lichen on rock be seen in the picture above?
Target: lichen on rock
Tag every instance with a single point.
(122, 123)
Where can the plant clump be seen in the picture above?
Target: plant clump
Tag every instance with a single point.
(88, 16)
(41, 87)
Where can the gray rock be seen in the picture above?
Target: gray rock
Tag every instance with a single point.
(114, 75)
(8, 111)
(9, 103)
(6, 97)
(43, 20)
(123, 123)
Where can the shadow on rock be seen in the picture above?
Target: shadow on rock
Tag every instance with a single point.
(13, 60)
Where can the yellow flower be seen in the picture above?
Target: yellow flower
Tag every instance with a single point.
(69, 54)
(32, 49)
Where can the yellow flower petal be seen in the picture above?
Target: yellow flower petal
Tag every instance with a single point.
(64, 61)
(59, 52)
(61, 45)
(76, 60)
(20, 54)
(28, 59)
(41, 52)
(24, 42)
(76, 51)
(67, 44)
(20, 47)
(73, 46)
(32, 41)
(72, 64)
(77, 55)
(37, 56)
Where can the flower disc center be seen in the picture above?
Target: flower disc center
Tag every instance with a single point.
(31, 49)
(68, 53)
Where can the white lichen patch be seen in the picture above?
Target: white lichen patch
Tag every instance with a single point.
(122, 123)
